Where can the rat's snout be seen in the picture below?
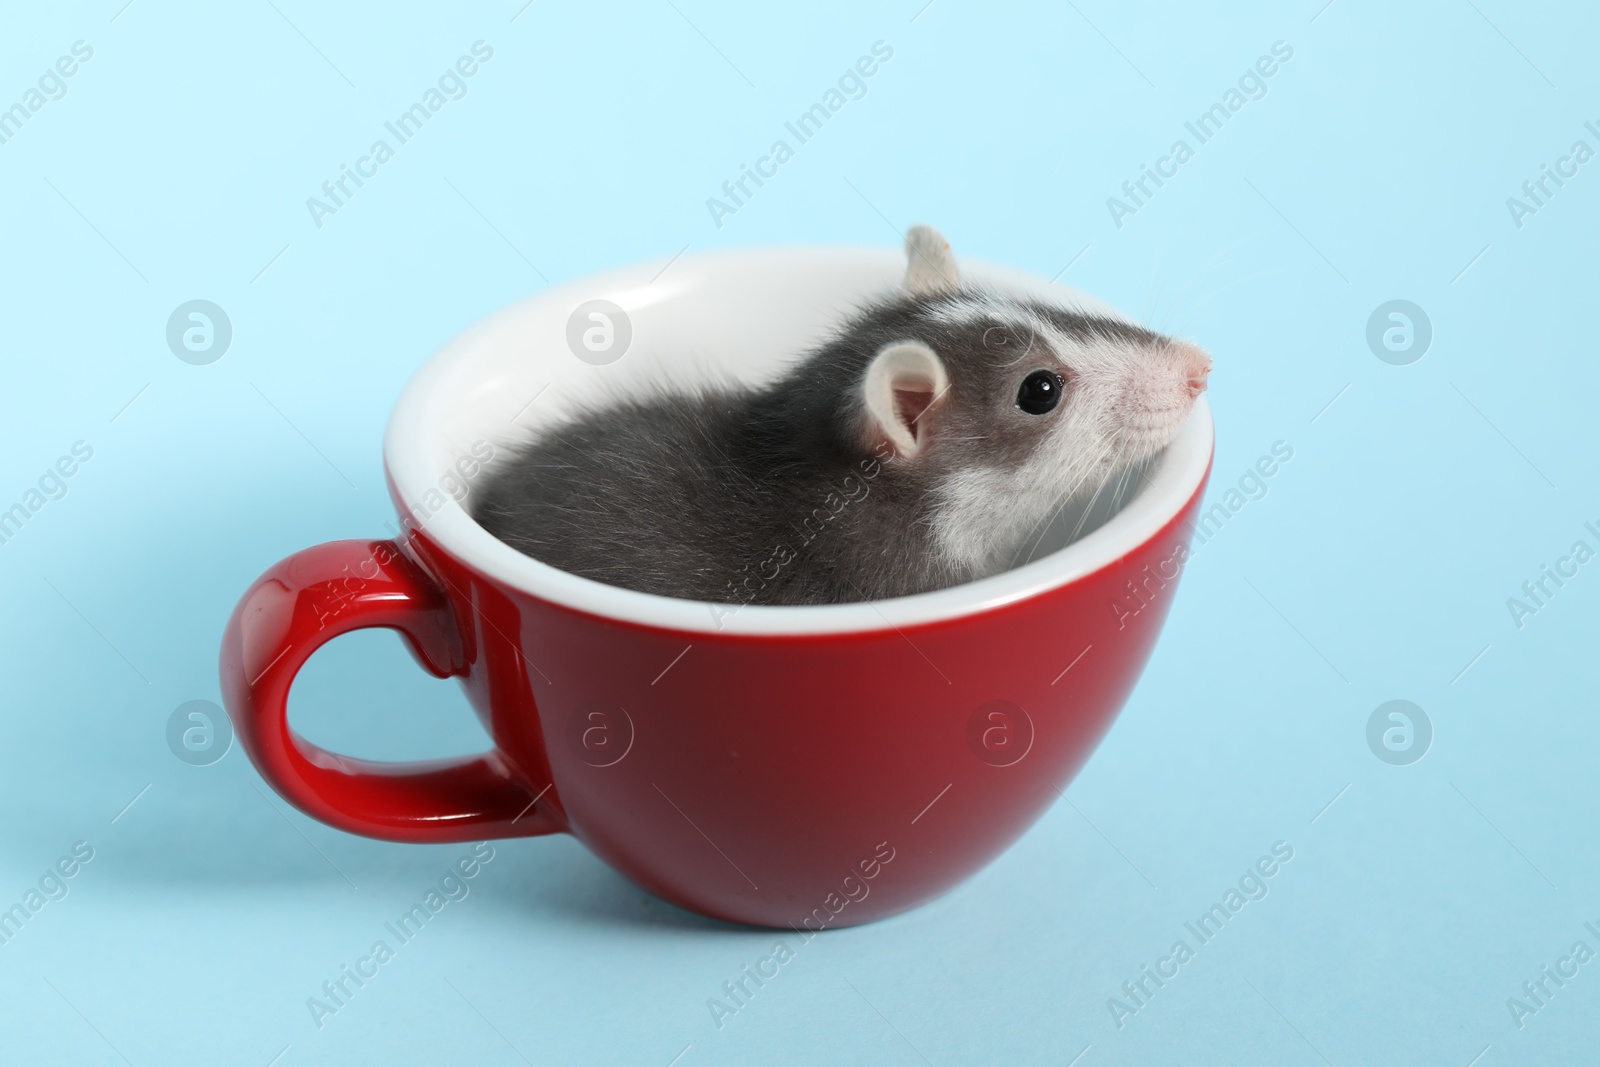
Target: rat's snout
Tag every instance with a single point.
(1195, 367)
(1161, 391)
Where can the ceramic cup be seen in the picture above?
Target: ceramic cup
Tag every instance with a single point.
(803, 767)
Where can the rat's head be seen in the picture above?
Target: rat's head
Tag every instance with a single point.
(1014, 406)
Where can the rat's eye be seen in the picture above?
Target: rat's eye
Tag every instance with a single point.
(1040, 392)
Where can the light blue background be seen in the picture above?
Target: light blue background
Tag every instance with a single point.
(1376, 167)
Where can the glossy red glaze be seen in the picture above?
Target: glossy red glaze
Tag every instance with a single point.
(310, 598)
(759, 779)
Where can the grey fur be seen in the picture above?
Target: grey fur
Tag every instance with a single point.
(781, 495)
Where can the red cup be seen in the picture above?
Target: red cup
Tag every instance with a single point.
(801, 767)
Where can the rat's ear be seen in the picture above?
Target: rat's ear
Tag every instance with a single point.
(905, 381)
(930, 268)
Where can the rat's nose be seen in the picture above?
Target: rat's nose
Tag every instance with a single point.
(1192, 365)
(1196, 369)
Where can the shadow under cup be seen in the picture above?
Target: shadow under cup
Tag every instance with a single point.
(803, 767)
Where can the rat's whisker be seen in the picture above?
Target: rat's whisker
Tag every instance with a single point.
(1055, 509)
(817, 484)
(1217, 262)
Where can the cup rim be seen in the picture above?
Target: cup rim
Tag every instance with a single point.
(408, 454)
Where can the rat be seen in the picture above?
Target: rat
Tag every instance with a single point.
(922, 445)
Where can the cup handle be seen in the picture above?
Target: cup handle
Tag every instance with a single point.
(292, 610)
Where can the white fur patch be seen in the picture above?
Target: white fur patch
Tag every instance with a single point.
(1124, 403)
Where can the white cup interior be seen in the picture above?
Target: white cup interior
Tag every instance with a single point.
(742, 314)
